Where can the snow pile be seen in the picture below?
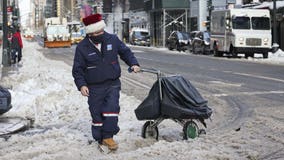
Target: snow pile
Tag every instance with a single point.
(277, 57)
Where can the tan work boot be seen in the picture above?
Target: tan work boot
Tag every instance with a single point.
(110, 143)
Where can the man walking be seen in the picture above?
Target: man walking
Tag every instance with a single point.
(16, 46)
(96, 73)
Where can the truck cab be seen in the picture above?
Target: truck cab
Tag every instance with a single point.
(235, 31)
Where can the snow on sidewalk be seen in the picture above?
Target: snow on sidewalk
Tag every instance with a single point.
(44, 90)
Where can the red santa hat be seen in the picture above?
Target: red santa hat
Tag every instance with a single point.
(94, 23)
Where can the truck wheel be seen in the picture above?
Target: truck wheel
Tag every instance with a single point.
(265, 55)
(249, 55)
(233, 52)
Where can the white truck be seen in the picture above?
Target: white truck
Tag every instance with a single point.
(246, 31)
(56, 33)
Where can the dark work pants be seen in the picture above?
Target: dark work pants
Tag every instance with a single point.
(19, 54)
(104, 108)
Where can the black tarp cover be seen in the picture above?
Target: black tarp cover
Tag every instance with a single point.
(180, 100)
(5, 100)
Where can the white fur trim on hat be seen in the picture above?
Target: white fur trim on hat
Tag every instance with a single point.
(95, 27)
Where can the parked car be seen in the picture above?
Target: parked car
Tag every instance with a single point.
(76, 37)
(28, 34)
(139, 36)
(193, 33)
(191, 37)
(178, 40)
(201, 43)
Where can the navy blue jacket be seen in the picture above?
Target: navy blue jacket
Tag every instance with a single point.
(92, 67)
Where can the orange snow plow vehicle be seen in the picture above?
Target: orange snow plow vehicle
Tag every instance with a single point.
(56, 33)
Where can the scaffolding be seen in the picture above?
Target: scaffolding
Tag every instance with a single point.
(164, 21)
(166, 16)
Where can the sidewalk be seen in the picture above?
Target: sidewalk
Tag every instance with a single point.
(6, 71)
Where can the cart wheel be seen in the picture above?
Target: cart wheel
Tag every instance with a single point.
(190, 130)
(150, 132)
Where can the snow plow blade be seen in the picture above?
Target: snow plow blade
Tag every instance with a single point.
(57, 44)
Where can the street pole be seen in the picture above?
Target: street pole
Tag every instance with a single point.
(35, 16)
(122, 21)
(275, 45)
(274, 21)
(5, 53)
(113, 19)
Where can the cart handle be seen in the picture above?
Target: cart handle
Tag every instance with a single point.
(148, 70)
(154, 71)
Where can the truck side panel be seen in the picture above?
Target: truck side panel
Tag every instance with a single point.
(245, 31)
(218, 29)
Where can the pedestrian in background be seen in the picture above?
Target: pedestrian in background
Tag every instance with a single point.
(96, 71)
(16, 46)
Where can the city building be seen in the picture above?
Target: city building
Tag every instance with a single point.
(166, 16)
(198, 15)
(12, 10)
(160, 17)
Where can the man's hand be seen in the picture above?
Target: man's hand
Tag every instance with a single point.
(84, 91)
(135, 68)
